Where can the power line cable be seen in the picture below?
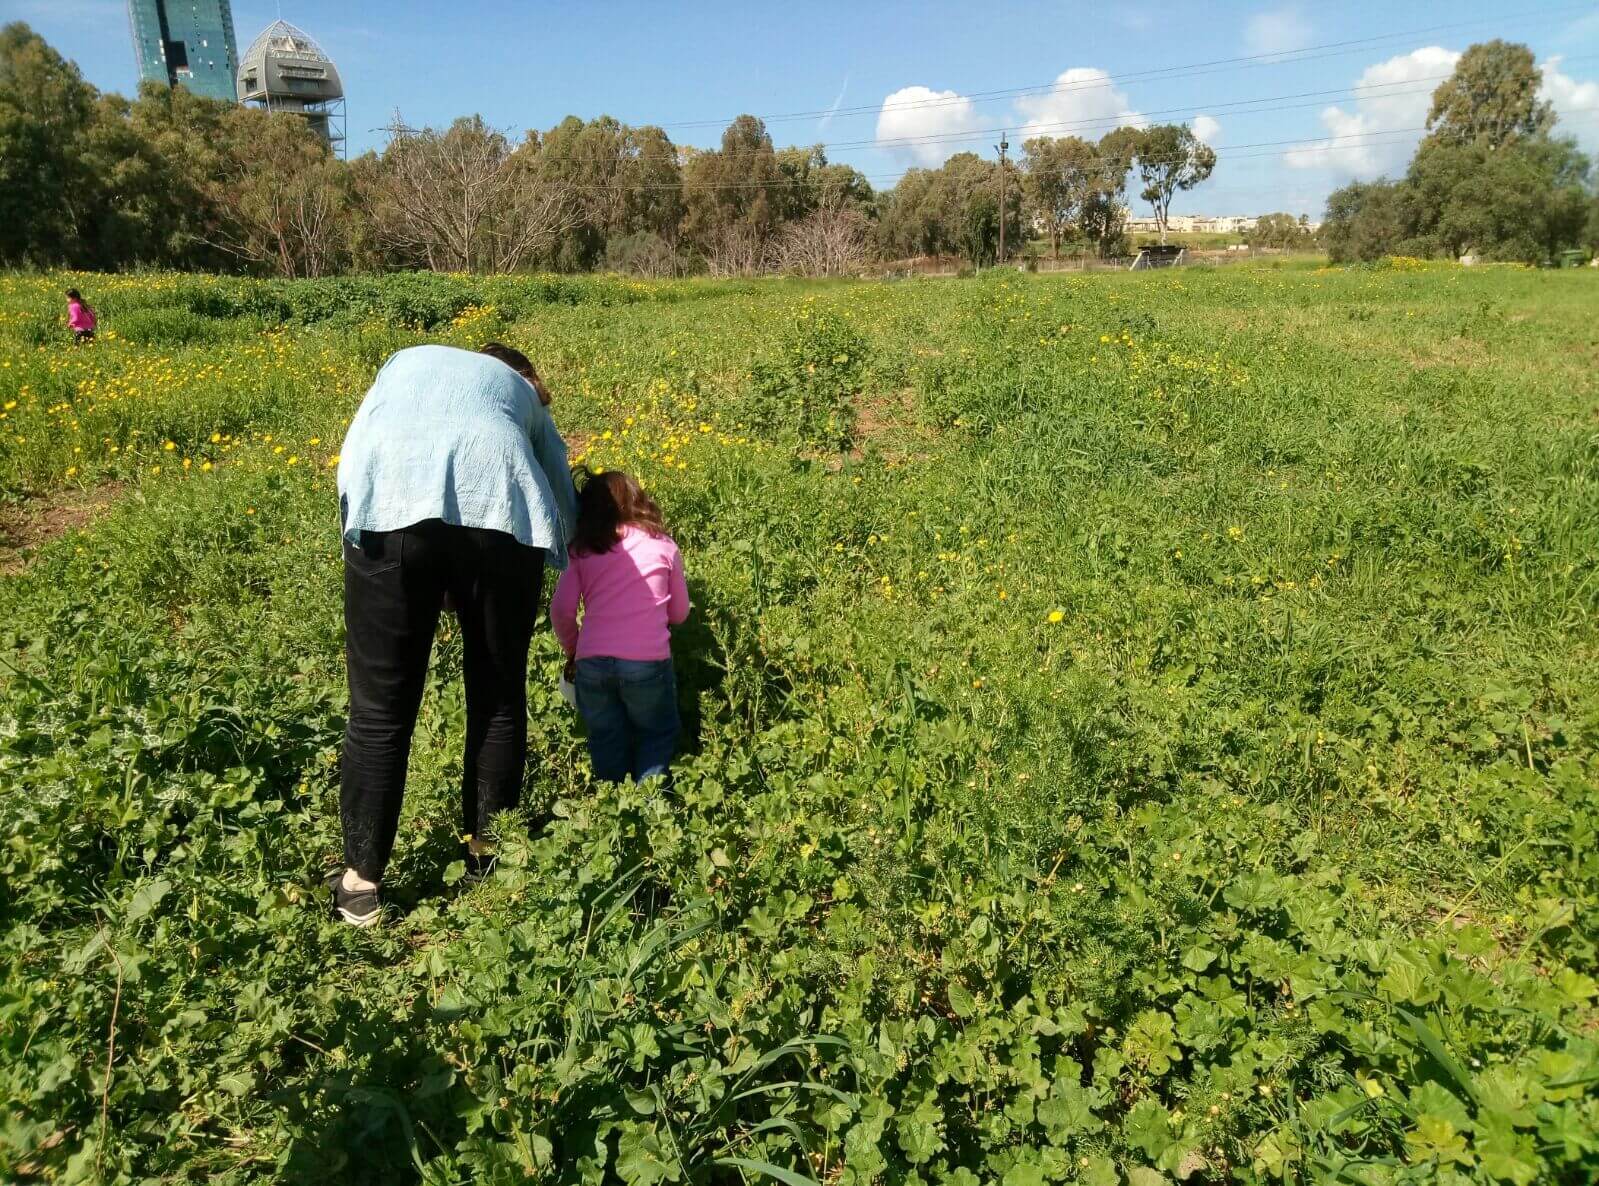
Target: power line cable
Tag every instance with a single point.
(1285, 57)
(1382, 90)
(1334, 143)
(1278, 103)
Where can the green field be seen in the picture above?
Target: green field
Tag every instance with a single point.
(1144, 728)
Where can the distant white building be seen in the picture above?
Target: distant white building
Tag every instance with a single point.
(1204, 224)
(1225, 224)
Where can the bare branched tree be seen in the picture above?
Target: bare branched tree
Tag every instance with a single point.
(466, 200)
(532, 214)
(734, 249)
(829, 241)
(645, 254)
(282, 204)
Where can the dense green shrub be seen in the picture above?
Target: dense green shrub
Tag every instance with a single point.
(810, 386)
(176, 325)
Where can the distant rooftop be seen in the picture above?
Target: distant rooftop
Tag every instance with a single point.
(284, 62)
(280, 37)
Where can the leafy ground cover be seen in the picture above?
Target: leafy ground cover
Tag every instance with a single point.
(1143, 728)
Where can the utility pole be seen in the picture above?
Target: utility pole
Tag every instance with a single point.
(1003, 145)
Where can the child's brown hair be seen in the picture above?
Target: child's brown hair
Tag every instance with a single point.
(606, 503)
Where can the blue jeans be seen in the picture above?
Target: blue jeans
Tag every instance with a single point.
(630, 708)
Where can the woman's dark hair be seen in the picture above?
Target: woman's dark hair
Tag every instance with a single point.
(512, 358)
(608, 502)
(74, 295)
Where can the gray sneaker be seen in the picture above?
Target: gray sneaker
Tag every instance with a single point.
(359, 908)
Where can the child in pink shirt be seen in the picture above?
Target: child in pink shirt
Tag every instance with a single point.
(627, 575)
(80, 318)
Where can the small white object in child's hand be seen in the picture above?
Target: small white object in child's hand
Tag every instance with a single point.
(568, 691)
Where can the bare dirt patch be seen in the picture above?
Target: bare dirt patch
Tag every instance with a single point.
(27, 527)
(885, 423)
(879, 415)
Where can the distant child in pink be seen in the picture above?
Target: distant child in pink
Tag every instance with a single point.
(79, 317)
(627, 575)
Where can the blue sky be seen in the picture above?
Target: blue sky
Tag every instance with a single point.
(1330, 91)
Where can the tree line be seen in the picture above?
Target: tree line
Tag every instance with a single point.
(171, 179)
(1490, 179)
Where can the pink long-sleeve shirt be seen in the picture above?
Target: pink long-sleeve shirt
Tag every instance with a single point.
(79, 316)
(630, 596)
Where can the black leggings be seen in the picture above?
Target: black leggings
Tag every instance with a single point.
(394, 589)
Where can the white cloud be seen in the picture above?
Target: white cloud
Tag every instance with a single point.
(1576, 103)
(1278, 30)
(1378, 135)
(1083, 102)
(918, 111)
(1206, 129)
(1379, 132)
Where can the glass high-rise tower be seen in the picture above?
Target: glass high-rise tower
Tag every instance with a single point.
(187, 43)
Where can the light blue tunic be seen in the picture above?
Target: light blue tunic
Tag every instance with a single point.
(455, 435)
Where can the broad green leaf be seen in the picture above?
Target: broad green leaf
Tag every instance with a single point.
(1254, 891)
(1407, 980)
(767, 1169)
(1021, 1107)
(960, 1001)
(148, 897)
(1151, 1042)
(1503, 1092)
(1508, 1155)
(1435, 1139)
(1198, 958)
(1435, 1099)
(861, 1150)
(919, 1137)
(1577, 988)
(542, 1149)
(642, 1160)
(1024, 1173)
(454, 1002)
(1148, 1127)
(1568, 1129)
(1068, 1111)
